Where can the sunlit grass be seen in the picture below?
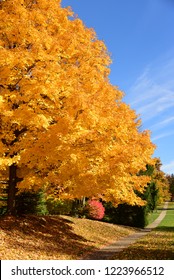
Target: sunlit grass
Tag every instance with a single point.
(168, 221)
(155, 214)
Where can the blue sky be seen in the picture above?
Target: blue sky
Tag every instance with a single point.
(139, 34)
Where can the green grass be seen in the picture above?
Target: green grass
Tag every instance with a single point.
(154, 215)
(157, 245)
(168, 221)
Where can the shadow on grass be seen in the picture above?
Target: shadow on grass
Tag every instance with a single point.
(164, 228)
(165, 209)
(49, 235)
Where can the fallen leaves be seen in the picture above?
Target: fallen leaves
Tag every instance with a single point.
(54, 237)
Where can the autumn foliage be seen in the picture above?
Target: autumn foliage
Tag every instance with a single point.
(95, 209)
(64, 126)
(160, 180)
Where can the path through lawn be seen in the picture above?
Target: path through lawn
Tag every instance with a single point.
(157, 245)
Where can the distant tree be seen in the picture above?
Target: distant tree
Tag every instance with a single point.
(170, 179)
(162, 184)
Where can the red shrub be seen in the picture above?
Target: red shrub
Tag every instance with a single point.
(95, 210)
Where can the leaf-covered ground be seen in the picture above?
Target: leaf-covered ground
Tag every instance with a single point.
(157, 245)
(54, 237)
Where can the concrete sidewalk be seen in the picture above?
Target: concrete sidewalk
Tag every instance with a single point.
(107, 252)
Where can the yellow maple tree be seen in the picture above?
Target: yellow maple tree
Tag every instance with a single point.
(162, 184)
(63, 124)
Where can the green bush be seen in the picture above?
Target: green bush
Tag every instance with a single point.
(31, 203)
(136, 216)
(125, 214)
(3, 201)
(59, 207)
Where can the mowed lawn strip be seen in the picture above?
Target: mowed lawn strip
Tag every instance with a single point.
(54, 237)
(157, 245)
(155, 214)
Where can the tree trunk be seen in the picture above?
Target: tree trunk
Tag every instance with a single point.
(11, 191)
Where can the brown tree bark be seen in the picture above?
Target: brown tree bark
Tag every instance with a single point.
(11, 190)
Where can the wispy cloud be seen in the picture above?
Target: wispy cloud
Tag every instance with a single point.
(162, 135)
(163, 123)
(168, 168)
(152, 94)
(157, 105)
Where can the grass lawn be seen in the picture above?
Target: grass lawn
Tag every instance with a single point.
(157, 245)
(54, 237)
(154, 215)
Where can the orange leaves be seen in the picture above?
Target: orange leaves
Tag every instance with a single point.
(62, 121)
(160, 179)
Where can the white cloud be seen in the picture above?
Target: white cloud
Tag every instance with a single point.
(152, 94)
(156, 109)
(162, 135)
(163, 123)
(168, 168)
